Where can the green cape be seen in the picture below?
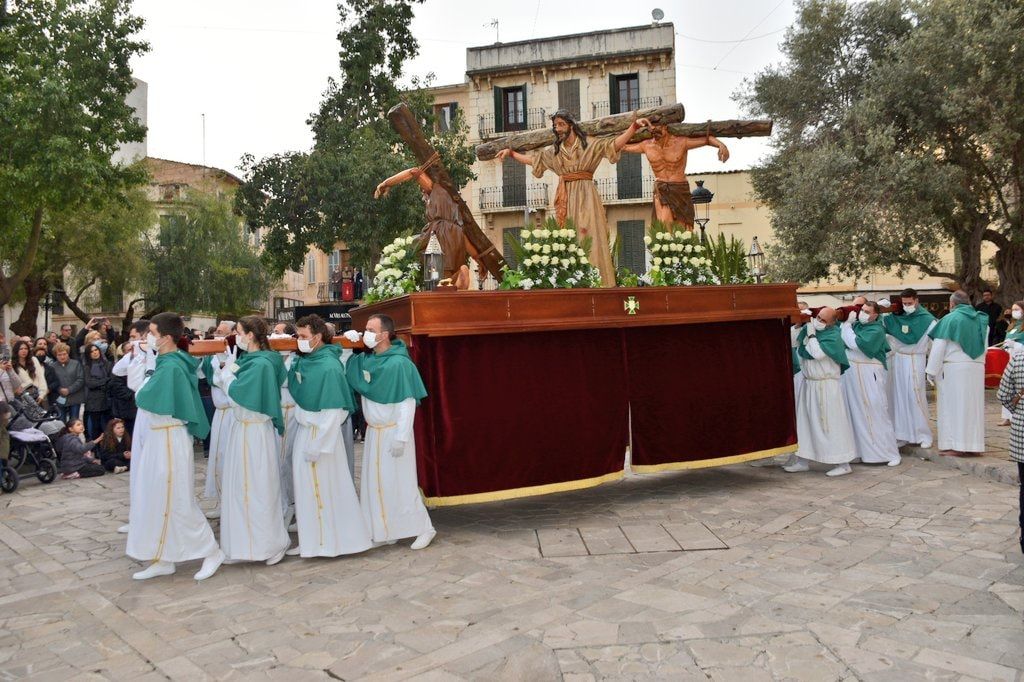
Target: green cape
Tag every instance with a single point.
(1016, 331)
(831, 342)
(966, 326)
(257, 384)
(317, 381)
(206, 368)
(871, 340)
(916, 324)
(796, 361)
(388, 377)
(173, 391)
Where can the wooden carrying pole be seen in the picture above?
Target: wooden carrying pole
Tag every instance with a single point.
(751, 128)
(408, 128)
(214, 346)
(606, 125)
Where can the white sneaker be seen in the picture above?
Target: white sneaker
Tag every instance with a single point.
(294, 551)
(896, 462)
(210, 565)
(424, 539)
(277, 557)
(123, 529)
(840, 470)
(157, 568)
(213, 514)
(797, 466)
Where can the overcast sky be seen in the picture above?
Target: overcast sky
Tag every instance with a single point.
(257, 68)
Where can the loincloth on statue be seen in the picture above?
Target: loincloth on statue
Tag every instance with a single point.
(677, 198)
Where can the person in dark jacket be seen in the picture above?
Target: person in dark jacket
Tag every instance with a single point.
(122, 398)
(71, 394)
(76, 458)
(42, 353)
(115, 449)
(97, 404)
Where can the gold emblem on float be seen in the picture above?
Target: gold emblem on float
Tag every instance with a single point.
(631, 305)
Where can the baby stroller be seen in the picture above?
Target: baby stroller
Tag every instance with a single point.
(8, 475)
(31, 442)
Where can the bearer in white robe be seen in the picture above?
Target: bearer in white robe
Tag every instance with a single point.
(956, 365)
(865, 387)
(391, 388)
(909, 340)
(287, 439)
(133, 366)
(251, 525)
(824, 433)
(330, 522)
(166, 525)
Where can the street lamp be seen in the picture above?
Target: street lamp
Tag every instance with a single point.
(50, 301)
(756, 260)
(433, 263)
(702, 196)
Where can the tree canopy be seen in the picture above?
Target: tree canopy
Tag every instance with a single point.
(318, 197)
(899, 132)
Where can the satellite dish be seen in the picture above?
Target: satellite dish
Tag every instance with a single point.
(658, 14)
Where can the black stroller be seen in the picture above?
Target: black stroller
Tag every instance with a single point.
(8, 475)
(32, 435)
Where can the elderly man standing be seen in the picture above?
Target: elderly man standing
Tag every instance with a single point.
(822, 420)
(956, 365)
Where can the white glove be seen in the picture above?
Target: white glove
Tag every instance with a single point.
(312, 456)
(352, 335)
(230, 357)
(885, 303)
(931, 379)
(398, 448)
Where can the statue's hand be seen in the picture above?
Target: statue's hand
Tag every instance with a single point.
(723, 153)
(382, 190)
(415, 172)
(502, 154)
(642, 123)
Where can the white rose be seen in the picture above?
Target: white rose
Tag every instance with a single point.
(524, 234)
(655, 268)
(695, 261)
(688, 248)
(546, 234)
(400, 255)
(546, 249)
(657, 260)
(537, 234)
(565, 262)
(544, 260)
(647, 239)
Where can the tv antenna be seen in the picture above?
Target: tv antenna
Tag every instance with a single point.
(494, 24)
(658, 15)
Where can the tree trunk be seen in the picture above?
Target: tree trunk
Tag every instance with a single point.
(405, 124)
(26, 324)
(970, 261)
(1009, 263)
(606, 125)
(8, 285)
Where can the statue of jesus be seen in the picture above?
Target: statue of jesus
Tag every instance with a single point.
(574, 157)
(667, 155)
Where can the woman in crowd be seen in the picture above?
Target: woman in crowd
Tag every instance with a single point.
(1013, 343)
(10, 384)
(76, 458)
(115, 450)
(33, 378)
(97, 405)
(71, 394)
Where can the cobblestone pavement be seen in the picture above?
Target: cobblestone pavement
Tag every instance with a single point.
(738, 573)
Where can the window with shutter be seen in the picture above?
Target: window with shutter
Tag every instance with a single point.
(627, 172)
(624, 93)
(513, 183)
(631, 245)
(569, 96)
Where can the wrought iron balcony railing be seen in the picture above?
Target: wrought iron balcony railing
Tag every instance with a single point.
(604, 108)
(535, 118)
(513, 196)
(627, 188)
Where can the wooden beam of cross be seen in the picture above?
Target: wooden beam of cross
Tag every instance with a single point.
(408, 128)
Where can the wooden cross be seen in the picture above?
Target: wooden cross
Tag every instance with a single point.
(408, 128)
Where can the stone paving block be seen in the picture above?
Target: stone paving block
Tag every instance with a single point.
(605, 540)
(650, 538)
(556, 542)
(966, 666)
(693, 536)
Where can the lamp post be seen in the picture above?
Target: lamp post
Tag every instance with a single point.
(756, 260)
(50, 301)
(702, 196)
(433, 263)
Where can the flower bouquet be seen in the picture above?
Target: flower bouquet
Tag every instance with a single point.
(677, 259)
(550, 257)
(397, 272)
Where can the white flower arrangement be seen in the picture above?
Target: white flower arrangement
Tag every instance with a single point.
(397, 272)
(691, 268)
(551, 258)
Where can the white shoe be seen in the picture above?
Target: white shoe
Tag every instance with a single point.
(896, 462)
(120, 470)
(293, 528)
(213, 514)
(157, 568)
(424, 539)
(123, 529)
(210, 565)
(840, 470)
(385, 543)
(277, 557)
(926, 446)
(294, 551)
(797, 466)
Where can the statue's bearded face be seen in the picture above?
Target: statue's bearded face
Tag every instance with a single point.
(659, 132)
(562, 129)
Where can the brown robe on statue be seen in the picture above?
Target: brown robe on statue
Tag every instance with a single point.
(443, 219)
(577, 197)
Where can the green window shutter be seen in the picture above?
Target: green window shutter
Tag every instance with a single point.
(526, 110)
(627, 174)
(631, 241)
(613, 94)
(499, 110)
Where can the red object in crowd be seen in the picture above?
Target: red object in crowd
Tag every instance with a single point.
(348, 291)
(996, 360)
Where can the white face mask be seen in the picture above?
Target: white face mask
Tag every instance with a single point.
(1017, 313)
(369, 339)
(151, 342)
(818, 324)
(909, 309)
(863, 317)
(305, 346)
(242, 342)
